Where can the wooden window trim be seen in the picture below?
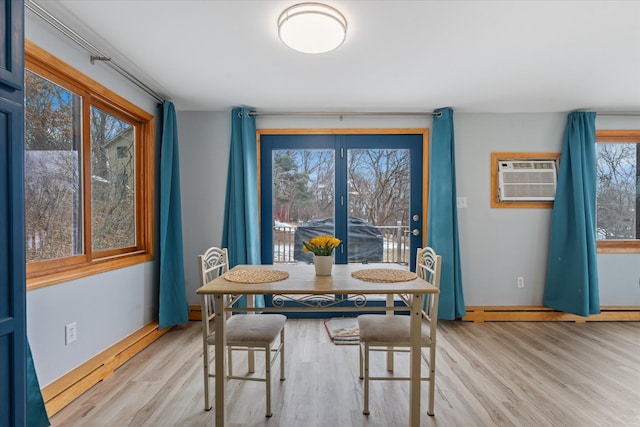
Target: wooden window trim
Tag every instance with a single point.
(40, 274)
(618, 246)
(495, 200)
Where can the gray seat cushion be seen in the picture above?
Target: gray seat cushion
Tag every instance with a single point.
(383, 329)
(257, 329)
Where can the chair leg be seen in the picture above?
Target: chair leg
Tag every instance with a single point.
(251, 361)
(390, 355)
(361, 376)
(267, 352)
(282, 377)
(205, 359)
(366, 379)
(432, 379)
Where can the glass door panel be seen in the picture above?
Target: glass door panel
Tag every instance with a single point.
(384, 186)
(303, 198)
(378, 195)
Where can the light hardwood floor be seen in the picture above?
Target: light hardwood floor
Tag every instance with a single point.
(488, 374)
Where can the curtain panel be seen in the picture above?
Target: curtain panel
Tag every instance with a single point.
(36, 410)
(174, 308)
(572, 272)
(241, 232)
(442, 222)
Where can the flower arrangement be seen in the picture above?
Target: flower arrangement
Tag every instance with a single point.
(321, 245)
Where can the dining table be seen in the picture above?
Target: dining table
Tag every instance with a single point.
(298, 282)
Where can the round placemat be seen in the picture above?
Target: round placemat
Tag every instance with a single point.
(384, 275)
(256, 276)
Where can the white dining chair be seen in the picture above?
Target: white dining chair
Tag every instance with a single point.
(391, 333)
(245, 332)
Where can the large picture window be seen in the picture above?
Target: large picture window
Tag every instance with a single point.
(618, 191)
(88, 175)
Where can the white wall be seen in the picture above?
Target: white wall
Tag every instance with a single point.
(204, 158)
(497, 245)
(106, 307)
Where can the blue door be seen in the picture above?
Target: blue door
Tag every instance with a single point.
(366, 189)
(12, 259)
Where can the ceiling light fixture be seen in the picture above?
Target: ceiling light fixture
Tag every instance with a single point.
(312, 27)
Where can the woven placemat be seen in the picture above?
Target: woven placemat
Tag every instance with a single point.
(256, 276)
(384, 275)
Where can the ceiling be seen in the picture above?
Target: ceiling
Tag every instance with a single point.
(473, 56)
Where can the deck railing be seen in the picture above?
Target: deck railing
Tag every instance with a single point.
(395, 243)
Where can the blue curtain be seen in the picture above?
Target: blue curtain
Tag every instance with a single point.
(174, 308)
(36, 411)
(572, 270)
(442, 225)
(241, 233)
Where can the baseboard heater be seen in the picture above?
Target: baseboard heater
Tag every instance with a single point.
(481, 314)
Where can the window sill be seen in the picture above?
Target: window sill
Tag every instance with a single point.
(96, 267)
(618, 247)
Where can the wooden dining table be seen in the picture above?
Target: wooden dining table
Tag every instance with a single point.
(317, 293)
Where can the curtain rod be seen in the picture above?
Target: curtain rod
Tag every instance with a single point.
(96, 54)
(349, 113)
(617, 113)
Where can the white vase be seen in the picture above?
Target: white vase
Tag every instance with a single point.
(323, 265)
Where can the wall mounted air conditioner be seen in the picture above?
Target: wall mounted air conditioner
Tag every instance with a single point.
(527, 180)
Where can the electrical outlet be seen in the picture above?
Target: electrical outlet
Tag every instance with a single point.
(461, 202)
(520, 282)
(71, 333)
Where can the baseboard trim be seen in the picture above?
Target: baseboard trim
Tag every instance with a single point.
(195, 313)
(523, 313)
(63, 391)
(481, 314)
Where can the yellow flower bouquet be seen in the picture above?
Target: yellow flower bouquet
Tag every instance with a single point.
(321, 245)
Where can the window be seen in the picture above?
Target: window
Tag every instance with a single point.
(618, 191)
(88, 175)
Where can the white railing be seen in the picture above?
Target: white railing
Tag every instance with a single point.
(395, 243)
(283, 243)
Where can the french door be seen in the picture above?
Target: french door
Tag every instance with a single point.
(365, 189)
(13, 336)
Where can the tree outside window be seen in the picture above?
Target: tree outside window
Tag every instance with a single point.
(618, 188)
(53, 217)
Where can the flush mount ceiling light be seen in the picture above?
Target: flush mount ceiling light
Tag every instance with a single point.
(312, 27)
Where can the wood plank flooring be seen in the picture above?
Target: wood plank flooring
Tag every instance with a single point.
(487, 374)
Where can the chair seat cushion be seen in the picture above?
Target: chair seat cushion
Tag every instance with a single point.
(380, 328)
(252, 328)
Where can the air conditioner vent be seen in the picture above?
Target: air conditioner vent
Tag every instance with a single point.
(525, 181)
